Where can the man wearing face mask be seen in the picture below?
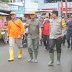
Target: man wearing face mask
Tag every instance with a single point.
(46, 32)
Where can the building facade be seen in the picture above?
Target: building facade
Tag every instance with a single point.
(54, 5)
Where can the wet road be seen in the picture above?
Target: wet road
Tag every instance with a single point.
(21, 65)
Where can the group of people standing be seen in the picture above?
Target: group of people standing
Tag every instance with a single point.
(51, 30)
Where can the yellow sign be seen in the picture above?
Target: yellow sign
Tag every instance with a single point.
(2, 17)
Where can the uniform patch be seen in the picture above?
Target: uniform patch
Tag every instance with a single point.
(17, 21)
(52, 21)
(51, 25)
(57, 25)
(58, 21)
(63, 21)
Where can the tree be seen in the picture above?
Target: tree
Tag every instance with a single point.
(5, 0)
(35, 1)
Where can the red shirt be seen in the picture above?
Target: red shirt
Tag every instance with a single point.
(41, 22)
(46, 28)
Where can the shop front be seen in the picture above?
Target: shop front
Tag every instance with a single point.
(4, 15)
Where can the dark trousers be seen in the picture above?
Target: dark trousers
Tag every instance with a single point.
(69, 35)
(41, 40)
(56, 42)
(46, 41)
(63, 39)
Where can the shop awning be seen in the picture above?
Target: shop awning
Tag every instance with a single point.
(4, 11)
(1, 13)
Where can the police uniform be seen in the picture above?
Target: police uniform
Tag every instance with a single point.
(33, 37)
(69, 33)
(56, 32)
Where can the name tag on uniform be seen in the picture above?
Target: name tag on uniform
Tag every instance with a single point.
(51, 25)
(58, 21)
(51, 21)
(57, 25)
(17, 21)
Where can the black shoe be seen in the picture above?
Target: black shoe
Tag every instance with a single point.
(71, 48)
(68, 46)
(45, 47)
(63, 44)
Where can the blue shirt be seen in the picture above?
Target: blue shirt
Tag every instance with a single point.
(26, 28)
(14, 20)
(69, 24)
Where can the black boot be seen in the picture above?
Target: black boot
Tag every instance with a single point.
(71, 48)
(68, 43)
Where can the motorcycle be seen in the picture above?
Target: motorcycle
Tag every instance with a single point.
(4, 35)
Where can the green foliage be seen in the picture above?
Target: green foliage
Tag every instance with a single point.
(4, 0)
(35, 1)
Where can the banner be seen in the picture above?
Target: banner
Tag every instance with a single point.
(18, 10)
(2, 20)
(61, 8)
(66, 8)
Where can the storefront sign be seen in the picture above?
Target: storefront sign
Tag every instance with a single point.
(19, 10)
(14, 8)
(2, 20)
(4, 6)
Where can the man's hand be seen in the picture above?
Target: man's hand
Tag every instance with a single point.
(24, 34)
(61, 36)
(27, 25)
(40, 37)
(66, 33)
(19, 36)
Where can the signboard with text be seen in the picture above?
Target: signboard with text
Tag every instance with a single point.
(18, 10)
(2, 20)
(4, 6)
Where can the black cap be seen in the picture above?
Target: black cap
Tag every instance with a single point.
(55, 12)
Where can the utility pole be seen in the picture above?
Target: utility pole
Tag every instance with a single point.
(12, 1)
(69, 8)
(59, 8)
(24, 7)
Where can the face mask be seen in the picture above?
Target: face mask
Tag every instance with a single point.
(46, 19)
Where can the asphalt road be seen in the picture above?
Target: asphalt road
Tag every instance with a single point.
(22, 65)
